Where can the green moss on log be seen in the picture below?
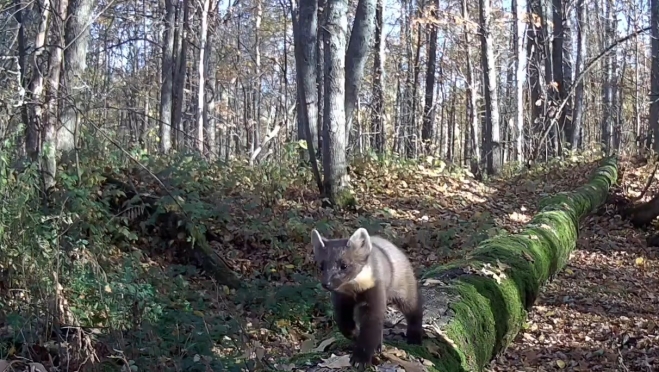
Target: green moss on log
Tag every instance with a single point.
(496, 284)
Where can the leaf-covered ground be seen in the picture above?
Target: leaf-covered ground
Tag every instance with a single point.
(600, 313)
(158, 311)
(434, 217)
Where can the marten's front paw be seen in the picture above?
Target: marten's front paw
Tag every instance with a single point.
(361, 357)
(414, 336)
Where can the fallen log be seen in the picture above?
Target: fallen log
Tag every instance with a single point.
(475, 307)
(643, 214)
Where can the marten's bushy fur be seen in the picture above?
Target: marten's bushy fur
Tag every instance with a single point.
(365, 272)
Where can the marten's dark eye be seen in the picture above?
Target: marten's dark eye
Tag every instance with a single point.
(343, 265)
(322, 266)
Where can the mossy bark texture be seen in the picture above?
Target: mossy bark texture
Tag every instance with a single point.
(475, 306)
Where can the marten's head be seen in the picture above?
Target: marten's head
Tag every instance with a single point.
(344, 263)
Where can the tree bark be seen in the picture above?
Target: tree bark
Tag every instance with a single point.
(334, 117)
(53, 94)
(428, 109)
(75, 62)
(378, 138)
(166, 90)
(201, 71)
(575, 139)
(36, 87)
(179, 77)
(304, 31)
(361, 38)
(520, 57)
(558, 93)
(473, 153)
(492, 145)
(654, 80)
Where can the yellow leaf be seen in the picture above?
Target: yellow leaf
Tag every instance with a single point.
(560, 364)
(640, 261)
(107, 288)
(198, 313)
(289, 266)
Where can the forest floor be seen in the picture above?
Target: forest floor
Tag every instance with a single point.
(598, 314)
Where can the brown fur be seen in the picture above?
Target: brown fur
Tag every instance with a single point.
(366, 272)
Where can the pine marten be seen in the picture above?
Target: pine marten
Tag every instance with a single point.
(363, 273)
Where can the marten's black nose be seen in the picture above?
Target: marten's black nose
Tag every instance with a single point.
(326, 285)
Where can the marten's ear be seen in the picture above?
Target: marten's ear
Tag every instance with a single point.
(360, 241)
(318, 243)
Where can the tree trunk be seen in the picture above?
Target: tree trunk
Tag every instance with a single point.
(535, 62)
(334, 126)
(256, 84)
(210, 126)
(575, 139)
(304, 31)
(567, 117)
(413, 133)
(36, 87)
(472, 92)
(520, 57)
(558, 93)
(361, 37)
(179, 77)
(53, 94)
(22, 65)
(654, 105)
(428, 110)
(166, 90)
(320, 76)
(492, 145)
(75, 62)
(378, 138)
(201, 70)
(606, 123)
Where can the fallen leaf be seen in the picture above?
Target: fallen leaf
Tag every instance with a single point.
(409, 366)
(323, 345)
(335, 362)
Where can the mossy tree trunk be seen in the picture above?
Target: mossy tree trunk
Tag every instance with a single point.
(476, 306)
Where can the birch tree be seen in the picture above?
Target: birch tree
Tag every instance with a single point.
(575, 139)
(492, 146)
(518, 39)
(75, 62)
(166, 90)
(201, 69)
